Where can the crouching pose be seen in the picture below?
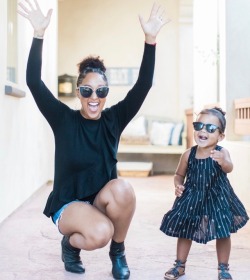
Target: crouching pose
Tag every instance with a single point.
(89, 204)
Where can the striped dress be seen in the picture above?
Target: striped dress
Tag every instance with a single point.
(208, 208)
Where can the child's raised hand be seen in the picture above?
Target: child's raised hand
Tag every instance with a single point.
(217, 156)
(223, 159)
(179, 190)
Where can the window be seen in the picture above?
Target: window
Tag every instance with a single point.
(12, 48)
(12, 41)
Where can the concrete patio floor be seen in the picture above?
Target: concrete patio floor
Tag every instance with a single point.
(30, 243)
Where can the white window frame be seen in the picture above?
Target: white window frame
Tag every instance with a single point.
(12, 78)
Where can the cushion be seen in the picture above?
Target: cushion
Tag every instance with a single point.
(136, 127)
(135, 133)
(176, 136)
(160, 133)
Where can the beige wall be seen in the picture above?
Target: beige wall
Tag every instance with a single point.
(112, 30)
(26, 147)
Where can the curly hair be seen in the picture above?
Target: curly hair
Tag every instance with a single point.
(91, 64)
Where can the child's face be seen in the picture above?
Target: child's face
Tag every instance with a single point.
(202, 137)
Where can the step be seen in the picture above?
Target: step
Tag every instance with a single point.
(134, 169)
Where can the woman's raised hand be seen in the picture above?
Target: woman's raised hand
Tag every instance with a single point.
(152, 26)
(34, 14)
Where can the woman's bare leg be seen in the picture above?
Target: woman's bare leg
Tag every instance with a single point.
(93, 226)
(83, 227)
(87, 227)
(117, 201)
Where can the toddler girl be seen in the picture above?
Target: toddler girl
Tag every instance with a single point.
(206, 206)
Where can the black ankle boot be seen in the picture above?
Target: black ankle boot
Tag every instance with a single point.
(71, 257)
(120, 268)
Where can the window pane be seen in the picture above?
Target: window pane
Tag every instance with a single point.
(12, 41)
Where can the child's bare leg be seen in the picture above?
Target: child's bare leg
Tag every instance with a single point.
(183, 248)
(223, 248)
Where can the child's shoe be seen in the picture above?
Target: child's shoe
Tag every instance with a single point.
(223, 272)
(176, 271)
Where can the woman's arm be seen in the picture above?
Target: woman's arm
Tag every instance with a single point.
(131, 104)
(50, 107)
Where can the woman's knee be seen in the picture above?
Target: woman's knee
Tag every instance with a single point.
(100, 235)
(123, 191)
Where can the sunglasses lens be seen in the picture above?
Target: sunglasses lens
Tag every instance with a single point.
(102, 92)
(198, 126)
(85, 91)
(211, 128)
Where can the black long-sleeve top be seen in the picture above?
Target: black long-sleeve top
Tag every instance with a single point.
(85, 150)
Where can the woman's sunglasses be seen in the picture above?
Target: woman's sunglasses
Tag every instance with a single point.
(87, 91)
(210, 128)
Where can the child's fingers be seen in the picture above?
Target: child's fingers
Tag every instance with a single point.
(179, 190)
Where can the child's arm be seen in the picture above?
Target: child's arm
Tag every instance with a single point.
(180, 173)
(223, 159)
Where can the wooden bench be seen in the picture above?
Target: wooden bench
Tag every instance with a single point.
(151, 149)
(162, 159)
(145, 140)
(134, 169)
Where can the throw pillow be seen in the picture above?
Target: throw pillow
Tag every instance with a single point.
(176, 137)
(160, 133)
(136, 127)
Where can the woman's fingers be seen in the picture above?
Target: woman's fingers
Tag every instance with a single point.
(24, 10)
(31, 7)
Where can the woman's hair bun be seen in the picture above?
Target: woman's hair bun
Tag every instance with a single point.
(91, 62)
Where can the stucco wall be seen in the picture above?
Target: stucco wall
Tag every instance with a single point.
(26, 147)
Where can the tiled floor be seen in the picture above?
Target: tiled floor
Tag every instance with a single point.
(30, 243)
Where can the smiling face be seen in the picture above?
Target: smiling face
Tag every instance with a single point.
(92, 106)
(205, 139)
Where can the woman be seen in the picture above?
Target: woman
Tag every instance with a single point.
(89, 204)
